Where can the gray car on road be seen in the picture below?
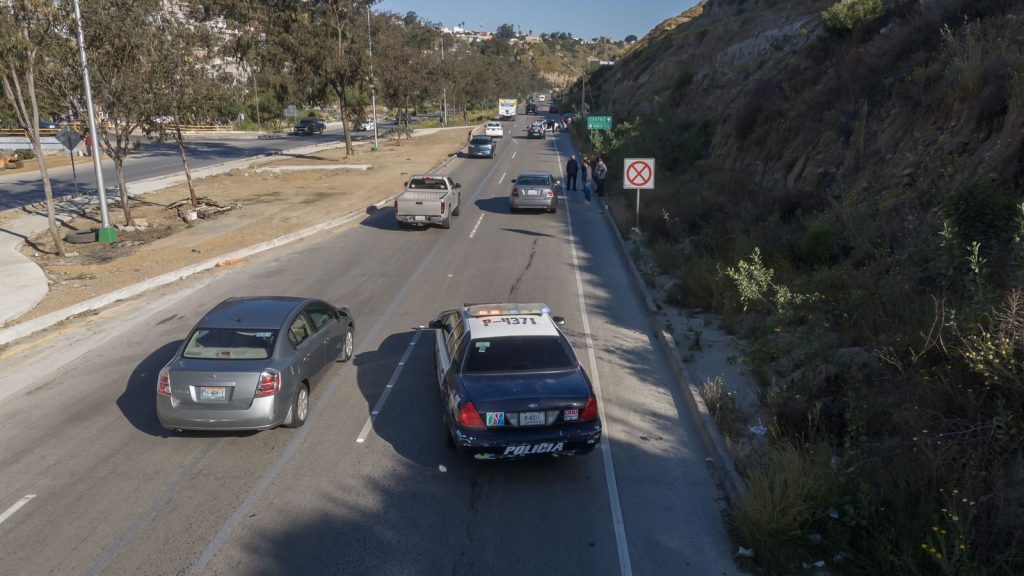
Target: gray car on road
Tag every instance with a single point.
(536, 190)
(251, 363)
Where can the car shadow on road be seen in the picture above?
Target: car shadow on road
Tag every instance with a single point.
(497, 205)
(380, 218)
(138, 401)
(528, 232)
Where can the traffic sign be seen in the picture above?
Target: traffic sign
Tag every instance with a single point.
(599, 122)
(68, 137)
(291, 112)
(638, 173)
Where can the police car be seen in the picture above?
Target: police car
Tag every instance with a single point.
(511, 385)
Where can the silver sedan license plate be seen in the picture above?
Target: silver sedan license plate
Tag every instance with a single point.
(531, 418)
(533, 192)
(213, 393)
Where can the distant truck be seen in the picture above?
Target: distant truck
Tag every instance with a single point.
(507, 108)
(428, 199)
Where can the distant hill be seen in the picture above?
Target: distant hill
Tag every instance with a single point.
(561, 59)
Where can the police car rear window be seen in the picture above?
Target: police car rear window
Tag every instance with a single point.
(518, 354)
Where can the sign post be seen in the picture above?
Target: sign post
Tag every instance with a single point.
(69, 138)
(638, 173)
(599, 122)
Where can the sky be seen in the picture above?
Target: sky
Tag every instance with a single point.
(613, 18)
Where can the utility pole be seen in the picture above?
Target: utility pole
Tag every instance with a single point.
(107, 233)
(373, 87)
(444, 87)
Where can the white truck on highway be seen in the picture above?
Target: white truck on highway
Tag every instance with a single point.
(507, 108)
(428, 199)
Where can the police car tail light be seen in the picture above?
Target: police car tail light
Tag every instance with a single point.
(269, 384)
(469, 417)
(590, 410)
(163, 386)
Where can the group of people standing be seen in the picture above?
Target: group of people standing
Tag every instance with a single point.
(592, 174)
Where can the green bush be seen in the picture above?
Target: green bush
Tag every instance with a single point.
(848, 16)
(26, 154)
(784, 498)
(818, 245)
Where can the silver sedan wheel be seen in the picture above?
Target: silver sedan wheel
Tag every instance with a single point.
(302, 405)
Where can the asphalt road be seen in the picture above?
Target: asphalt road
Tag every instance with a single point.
(154, 159)
(113, 493)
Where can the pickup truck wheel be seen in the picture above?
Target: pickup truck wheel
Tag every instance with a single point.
(446, 223)
(458, 205)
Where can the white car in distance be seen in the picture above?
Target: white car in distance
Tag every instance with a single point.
(494, 129)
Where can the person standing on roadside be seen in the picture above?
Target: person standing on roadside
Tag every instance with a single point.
(600, 173)
(588, 176)
(571, 168)
(88, 144)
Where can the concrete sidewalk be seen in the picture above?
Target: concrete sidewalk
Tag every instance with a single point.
(25, 282)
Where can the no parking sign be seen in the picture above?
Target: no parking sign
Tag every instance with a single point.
(638, 173)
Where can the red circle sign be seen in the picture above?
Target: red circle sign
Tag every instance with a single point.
(639, 173)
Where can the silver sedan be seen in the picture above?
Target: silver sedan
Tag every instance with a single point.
(537, 190)
(251, 363)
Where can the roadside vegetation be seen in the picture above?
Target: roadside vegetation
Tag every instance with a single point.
(842, 183)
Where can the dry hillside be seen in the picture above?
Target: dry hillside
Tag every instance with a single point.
(843, 180)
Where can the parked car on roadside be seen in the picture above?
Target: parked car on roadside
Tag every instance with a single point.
(251, 364)
(511, 384)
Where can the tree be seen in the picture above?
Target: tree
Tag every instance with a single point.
(630, 39)
(505, 32)
(402, 63)
(124, 58)
(185, 86)
(325, 43)
(27, 34)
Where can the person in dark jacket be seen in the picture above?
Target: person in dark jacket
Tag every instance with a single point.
(571, 168)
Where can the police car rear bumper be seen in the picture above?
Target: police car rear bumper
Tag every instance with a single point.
(526, 443)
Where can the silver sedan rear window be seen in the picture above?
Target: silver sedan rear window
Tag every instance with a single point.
(230, 344)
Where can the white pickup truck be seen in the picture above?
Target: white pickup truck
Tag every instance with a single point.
(428, 199)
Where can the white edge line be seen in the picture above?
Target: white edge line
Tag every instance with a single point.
(618, 525)
(387, 390)
(15, 507)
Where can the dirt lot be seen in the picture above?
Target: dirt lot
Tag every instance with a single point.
(269, 205)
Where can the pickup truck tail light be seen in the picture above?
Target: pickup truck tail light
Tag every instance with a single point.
(396, 205)
(442, 208)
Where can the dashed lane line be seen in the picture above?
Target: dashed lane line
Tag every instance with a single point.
(379, 406)
(15, 507)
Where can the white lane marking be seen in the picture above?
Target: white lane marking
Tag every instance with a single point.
(15, 507)
(514, 152)
(475, 228)
(625, 567)
(387, 390)
(502, 179)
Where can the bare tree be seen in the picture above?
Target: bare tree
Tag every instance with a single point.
(27, 30)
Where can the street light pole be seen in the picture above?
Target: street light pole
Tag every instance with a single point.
(107, 233)
(373, 87)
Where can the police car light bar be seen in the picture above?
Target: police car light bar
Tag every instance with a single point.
(479, 310)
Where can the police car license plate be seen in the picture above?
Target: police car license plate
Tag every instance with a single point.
(213, 393)
(531, 418)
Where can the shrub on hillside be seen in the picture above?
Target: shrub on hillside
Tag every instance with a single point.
(848, 16)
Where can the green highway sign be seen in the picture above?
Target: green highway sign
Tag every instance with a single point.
(599, 122)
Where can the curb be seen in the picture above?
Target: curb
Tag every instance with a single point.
(29, 327)
(722, 463)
